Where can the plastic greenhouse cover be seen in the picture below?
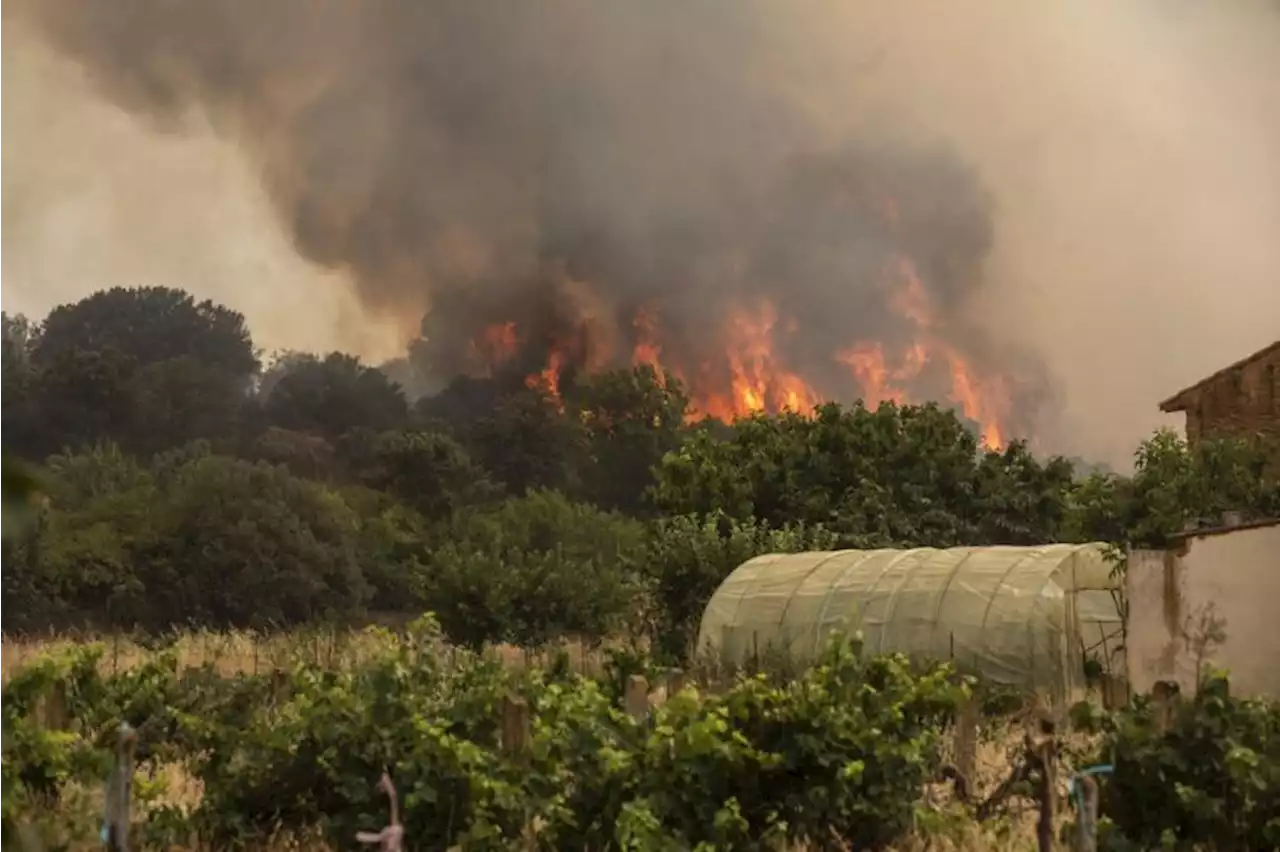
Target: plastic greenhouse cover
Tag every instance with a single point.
(1007, 613)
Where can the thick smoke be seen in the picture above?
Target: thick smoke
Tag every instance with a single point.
(565, 164)
(469, 160)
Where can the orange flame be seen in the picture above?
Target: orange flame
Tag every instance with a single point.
(647, 350)
(985, 405)
(867, 361)
(496, 344)
(758, 382)
(983, 401)
(548, 379)
(752, 377)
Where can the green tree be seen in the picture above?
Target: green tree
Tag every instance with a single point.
(80, 398)
(147, 325)
(535, 568)
(394, 543)
(80, 557)
(898, 476)
(1176, 486)
(304, 455)
(182, 400)
(148, 368)
(633, 418)
(239, 543)
(1020, 500)
(688, 557)
(428, 471)
(331, 396)
(22, 429)
(528, 442)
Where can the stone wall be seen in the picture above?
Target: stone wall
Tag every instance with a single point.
(1239, 402)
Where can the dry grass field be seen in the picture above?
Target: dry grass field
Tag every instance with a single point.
(950, 828)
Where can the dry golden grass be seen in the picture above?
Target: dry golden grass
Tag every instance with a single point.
(238, 651)
(75, 825)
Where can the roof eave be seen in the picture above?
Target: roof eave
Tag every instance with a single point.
(1181, 400)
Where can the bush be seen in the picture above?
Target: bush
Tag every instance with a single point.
(1213, 777)
(534, 569)
(688, 557)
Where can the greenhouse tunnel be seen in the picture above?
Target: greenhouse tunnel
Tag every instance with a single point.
(1021, 616)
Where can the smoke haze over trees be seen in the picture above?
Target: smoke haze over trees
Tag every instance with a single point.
(615, 181)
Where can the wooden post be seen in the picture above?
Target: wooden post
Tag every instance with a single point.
(1165, 696)
(675, 683)
(1087, 819)
(120, 792)
(1045, 753)
(515, 725)
(636, 698)
(51, 711)
(1115, 692)
(966, 736)
(280, 684)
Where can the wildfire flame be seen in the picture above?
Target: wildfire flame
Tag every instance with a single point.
(495, 345)
(749, 376)
(758, 380)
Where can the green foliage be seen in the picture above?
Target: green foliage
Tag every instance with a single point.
(843, 751)
(898, 475)
(148, 325)
(148, 368)
(532, 569)
(238, 543)
(1175, 485)
(21, 490)
(427, 471)
(528, 443)
(331, 396)
(1211, 777)
(197, 537)
(632, 418)
(688, 557)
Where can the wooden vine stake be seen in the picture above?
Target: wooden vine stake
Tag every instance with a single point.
(1165, 697)
(636, 698)
(52, 708)
(966, 737)
(119, 794)
(515, 725)
(675, 683)
(280, 685)
(1087, 821)
(1043, 751)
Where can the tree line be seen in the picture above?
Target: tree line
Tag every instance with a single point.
(185, 481)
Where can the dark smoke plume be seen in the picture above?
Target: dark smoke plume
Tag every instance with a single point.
(562, 164)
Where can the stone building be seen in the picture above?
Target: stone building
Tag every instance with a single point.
(1240, 400)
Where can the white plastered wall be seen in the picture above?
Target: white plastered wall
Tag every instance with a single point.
(1231, 576)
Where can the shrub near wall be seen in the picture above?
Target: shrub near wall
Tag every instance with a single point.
(1211, 776)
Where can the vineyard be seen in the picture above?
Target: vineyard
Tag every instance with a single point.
(531, 752)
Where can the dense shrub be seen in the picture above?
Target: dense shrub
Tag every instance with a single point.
(1211, 777)
(535, 568)
(688, 557)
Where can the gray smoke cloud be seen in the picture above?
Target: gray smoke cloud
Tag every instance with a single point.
(567, 164)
